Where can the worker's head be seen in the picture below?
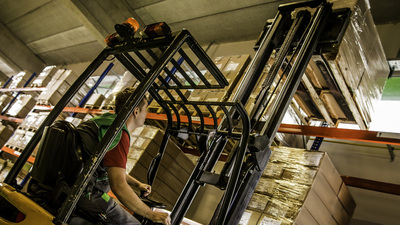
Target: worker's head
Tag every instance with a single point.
(139, 113)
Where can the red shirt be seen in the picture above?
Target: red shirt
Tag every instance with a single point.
(117, 156)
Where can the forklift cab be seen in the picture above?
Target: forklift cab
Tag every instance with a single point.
(56, 205)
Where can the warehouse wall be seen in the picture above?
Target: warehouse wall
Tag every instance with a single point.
(372, 162)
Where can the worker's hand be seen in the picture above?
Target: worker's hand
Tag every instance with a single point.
(161, 217)
(145, 189)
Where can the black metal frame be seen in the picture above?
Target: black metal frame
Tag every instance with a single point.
(306, 46)
(169, 46)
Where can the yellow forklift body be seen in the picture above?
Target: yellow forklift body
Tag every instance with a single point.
(34, 214)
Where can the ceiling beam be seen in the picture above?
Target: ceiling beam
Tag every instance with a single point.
(87, 19)
(16, 54)
(99, 17)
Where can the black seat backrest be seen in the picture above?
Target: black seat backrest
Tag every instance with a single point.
(58, 161)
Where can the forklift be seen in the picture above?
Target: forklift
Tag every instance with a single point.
(299, 30)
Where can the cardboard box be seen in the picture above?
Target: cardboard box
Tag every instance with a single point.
(174, 170)
(19, 80)
(258, 202)
(250, 217)
(301, 187)
(346, 199)
(95, 101)
(331, 104)
(305, 218)
(5, 133)
(22, 106)
(68, 76)
(331, 174)
(317, 208)
(4, 100)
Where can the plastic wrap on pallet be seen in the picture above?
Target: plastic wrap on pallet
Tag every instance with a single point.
(362, 60)
(285, 184)
(258, 202)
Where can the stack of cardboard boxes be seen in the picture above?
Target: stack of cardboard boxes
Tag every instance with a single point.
(95, 101)
(5, 133)
(19, 80)
(59, 84)
(5, 99)
(22, 106)
(174, 170)
(299, 187)
(44, 77)
(359, 69)
(232, 67)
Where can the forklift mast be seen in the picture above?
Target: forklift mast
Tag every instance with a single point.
(295, 35)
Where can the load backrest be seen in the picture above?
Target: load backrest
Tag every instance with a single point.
(59, 157)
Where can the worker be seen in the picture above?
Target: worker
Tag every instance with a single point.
(95, 203)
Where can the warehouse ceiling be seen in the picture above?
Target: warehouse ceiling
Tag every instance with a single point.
(63, 32)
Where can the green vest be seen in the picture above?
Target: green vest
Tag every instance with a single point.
(103, 122)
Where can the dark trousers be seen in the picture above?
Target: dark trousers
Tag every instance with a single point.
(102, 209)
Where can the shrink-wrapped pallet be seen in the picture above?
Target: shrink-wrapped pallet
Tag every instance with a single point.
(299, 187)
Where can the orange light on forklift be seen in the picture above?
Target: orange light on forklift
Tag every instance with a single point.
(156, 30)
(132, 23)
(125, 31)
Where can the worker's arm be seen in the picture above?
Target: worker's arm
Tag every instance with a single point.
(125, 194)
(145, 188)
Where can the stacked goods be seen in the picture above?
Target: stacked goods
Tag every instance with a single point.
(44, 77)
(75, 121)
(5, 134)
(95, 101)
(232, 67)
(154, 107)
(127, 80)
(15, 142)
(299, 187)
(59, 84)
(359, 68)
(22, 106)
(174, 170)
(19, 140)
(4, 100)
(26, 130)
(20, 79)
(32, 121)
(5, 167)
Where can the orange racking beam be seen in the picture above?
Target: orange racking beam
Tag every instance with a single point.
(13, 119)
(184, 119)
(372, 185)
(16, 153)
(339, 133)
